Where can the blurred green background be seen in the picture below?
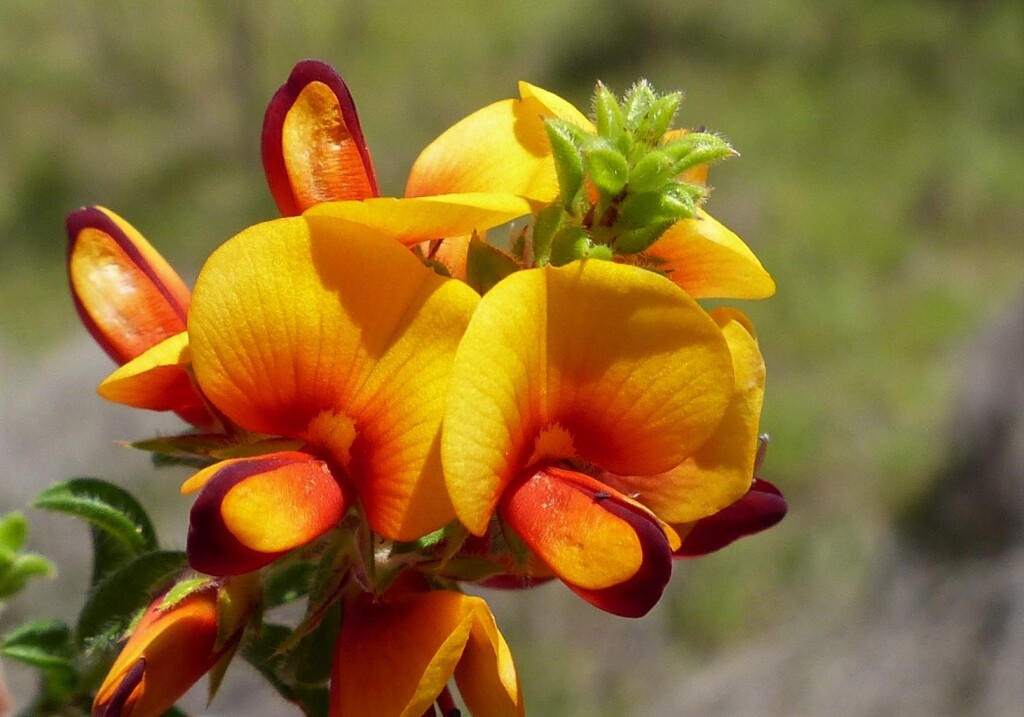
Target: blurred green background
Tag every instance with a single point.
(880, 183)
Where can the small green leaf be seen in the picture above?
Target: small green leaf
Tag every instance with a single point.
(13, 532)
(15, 573)
(104, 505)
(45, 645)
(638, 102)
(487, 265)
(115, 600)
(658, 119)
(568, 161)
(697, 148)
(634, 241)
(264, 653)
(653, 208)
(568, 244)
(651, 172)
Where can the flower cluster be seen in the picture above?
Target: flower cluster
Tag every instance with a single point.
(387, 403)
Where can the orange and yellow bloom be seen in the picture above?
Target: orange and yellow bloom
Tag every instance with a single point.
(373, 417)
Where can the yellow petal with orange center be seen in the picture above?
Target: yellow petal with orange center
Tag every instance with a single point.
(128, 296)
(626, 363)
(396, 656)
(709, 261)
(720, 472)
(310, 326)
(417, 219)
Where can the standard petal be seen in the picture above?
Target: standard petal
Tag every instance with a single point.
(313, 147)
(331, 332)
(594, 360)
(394, 657)
(606, 548)
(501, 148)
(418, 219)
(252, 510)
(761, 508)
(128, 296)
(709, 261)
(720, 471)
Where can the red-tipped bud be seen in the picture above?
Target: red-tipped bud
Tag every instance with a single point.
(128, 296)
(313, 147)
(762, 507)
(606, 548)
(253, 510)
(171, 648)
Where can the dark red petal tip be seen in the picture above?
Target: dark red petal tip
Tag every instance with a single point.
(762, 507)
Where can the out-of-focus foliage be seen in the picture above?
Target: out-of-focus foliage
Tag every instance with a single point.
(879, 182)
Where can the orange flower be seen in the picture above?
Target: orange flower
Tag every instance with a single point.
(504, 148)
(172, 647)
(590, 405)
(396, 654)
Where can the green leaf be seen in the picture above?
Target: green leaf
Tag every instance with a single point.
(45, 645)
(264, 653)
(568, 162)
(183, 588)
(104, 505)
(115, 600)
(658, 119)
(651, 172)
(634, 241)
(638, 102)
(287, 582)
(547, 222)
(16, 572)
(568, 244)
(487, 265)
(13, 532)
(696, 148)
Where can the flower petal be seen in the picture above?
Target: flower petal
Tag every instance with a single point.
(252, 510)
(313, 147)
(720, 471)
(595, 360)
(501, 148)
(605, 547)
(709, 261)
(128, 296)
(486, 674)
(159, 380)
(395, 656)
(331, 332)
(417, 219)
(761, 508)
(169, 650)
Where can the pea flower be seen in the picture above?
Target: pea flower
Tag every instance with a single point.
(396, 654)
(174, 644)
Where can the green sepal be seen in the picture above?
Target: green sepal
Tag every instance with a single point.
(545, 225)
(607, 168)
(653, 208)
(46, 646)
(487, 265)
(104, 505)
(658, 119)
(697, 148)
(568, 244)
(637, 103)
(634, 241)
(184, 588)
(608, 116)
(651, 172)
(567, 158)
(113, 602)
(468, 569)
